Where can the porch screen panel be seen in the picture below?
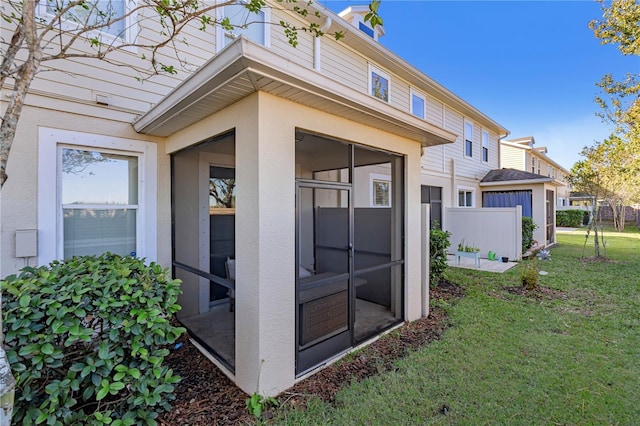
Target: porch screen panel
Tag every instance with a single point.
(509, 199)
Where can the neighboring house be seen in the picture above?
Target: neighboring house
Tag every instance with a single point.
(521, 154)
(282, 185)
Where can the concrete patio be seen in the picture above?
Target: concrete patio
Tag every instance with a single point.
(486, 265)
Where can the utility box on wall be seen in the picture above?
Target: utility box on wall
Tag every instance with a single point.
(26, 243)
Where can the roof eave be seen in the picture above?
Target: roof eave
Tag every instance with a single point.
(243, 59)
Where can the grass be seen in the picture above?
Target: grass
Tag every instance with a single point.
(510, 359)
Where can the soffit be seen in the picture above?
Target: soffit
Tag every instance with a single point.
(244, 67)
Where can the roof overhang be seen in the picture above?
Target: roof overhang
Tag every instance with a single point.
(243, 68)
(520, 182)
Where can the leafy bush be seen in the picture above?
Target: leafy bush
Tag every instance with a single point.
(86, 339)
(570, 218)
(438, 244)
(527, 232)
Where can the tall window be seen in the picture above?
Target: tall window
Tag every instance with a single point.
(92, 13)
(418, 104)
(379, 84)
(485, 146)
(465, 198)
(245, 23)
(468, 139)
(99, 193)
(533, 164)
(539, 167)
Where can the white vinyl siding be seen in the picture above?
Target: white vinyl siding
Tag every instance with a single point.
(344, 65)
(513, 158)
(435, 110)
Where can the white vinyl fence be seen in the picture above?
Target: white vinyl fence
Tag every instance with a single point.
(497, 229)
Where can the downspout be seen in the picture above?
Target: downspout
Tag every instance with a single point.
(316, 43)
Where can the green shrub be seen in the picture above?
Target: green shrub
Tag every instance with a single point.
(529, 273)
(438, 244)
(570, 218)
(527, 232)
(86, 339)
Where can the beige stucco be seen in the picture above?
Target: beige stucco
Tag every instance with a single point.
(265, 229)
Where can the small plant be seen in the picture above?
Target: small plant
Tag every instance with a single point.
(530, 274)
(86, 339)
(527, 233)
(530, 270)
(256, 403)
(438, 244)
(467, 249)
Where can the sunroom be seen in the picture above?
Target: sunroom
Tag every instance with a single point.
(295, 211)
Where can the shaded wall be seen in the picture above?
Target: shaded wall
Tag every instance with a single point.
(497, 229)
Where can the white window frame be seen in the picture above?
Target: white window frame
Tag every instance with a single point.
(533, 164)
(50, 236)
(130, 31)
(221, 33)
(383, 74)
(413, 92)
(467, 138)
(466, 189)
(374, 177)
(485, 146)
(539, 167)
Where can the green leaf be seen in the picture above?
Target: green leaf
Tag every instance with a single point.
(25, 300)
(47, 349)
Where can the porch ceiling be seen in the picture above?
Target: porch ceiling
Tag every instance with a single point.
(244, 67)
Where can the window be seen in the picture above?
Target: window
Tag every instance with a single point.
(468, 139)
(379, 84)
(433, 195)
(366, 29)
(533, 165)
(465, 197)
(418, 104)
(246, 23)
(99, 202)
(485, 146)
(380, 190)
(95, 194)
(539, 167)
(95, 13)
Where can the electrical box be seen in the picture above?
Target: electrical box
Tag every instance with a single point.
(26, 243)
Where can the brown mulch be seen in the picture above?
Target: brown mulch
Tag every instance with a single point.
(205, 396)
(538, 293)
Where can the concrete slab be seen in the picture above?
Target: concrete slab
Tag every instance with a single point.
(486, 265)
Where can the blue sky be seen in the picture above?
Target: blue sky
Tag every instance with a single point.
(529, 65)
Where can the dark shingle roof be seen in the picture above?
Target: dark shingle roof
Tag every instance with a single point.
(505, 175)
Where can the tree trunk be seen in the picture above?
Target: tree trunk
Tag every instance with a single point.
(23, 78)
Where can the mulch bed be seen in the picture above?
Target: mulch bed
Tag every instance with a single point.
(538, 293)
(205, 396)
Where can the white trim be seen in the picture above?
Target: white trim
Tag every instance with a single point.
(49, 163)
(414, 92)
(460, 188)
(221, 33)
(371, 69)
(372, 198)
(131, 27)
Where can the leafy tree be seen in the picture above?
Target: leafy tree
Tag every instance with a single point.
(76, 29)
(620, 100)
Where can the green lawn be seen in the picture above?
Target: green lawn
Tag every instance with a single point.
(509, 359)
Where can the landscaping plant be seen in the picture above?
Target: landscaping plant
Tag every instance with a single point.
(438, 245)
(527, 233)
(86, 339)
